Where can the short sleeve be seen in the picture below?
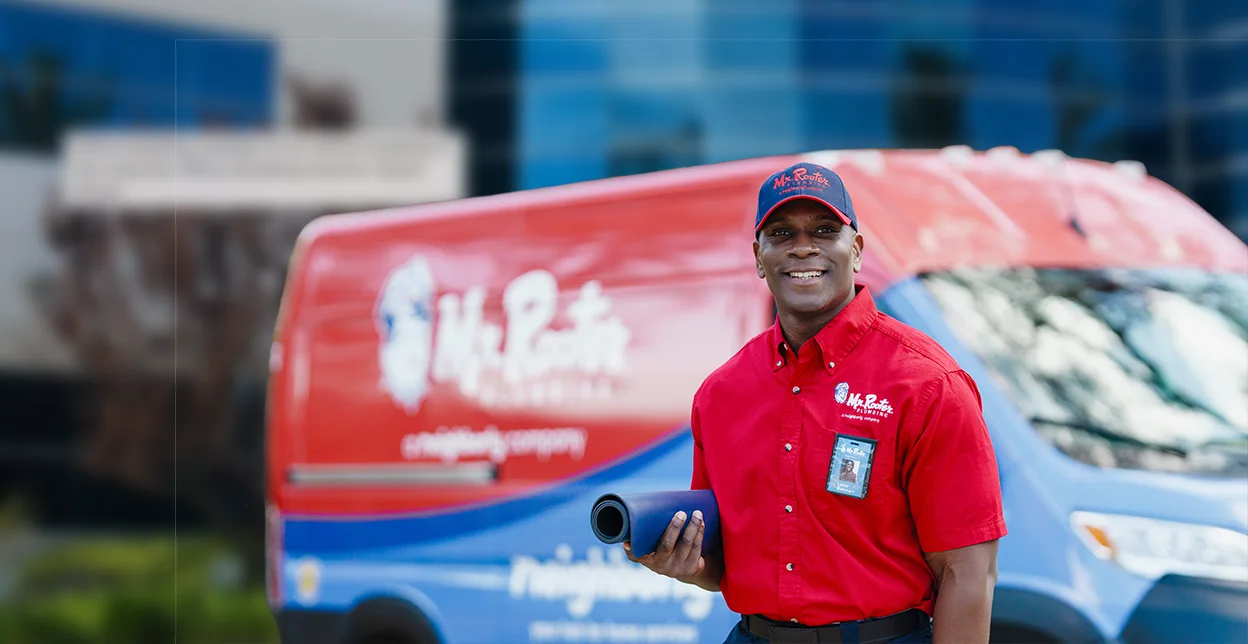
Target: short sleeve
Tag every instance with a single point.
(949, 470)
(700, 479)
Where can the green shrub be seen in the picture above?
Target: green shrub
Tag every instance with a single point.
(123, 590)
(123, 563)
(239, 617)
(64, 619)
(140, 618)
(98, 617)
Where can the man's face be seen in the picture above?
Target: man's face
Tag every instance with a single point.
(808, 257)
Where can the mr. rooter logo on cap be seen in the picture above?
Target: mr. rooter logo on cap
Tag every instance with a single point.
(799, 177)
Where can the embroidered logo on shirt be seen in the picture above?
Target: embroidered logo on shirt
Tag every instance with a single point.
(850, 468)
(868, 404)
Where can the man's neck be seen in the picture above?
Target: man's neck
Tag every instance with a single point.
(798, 332)
(798, 329)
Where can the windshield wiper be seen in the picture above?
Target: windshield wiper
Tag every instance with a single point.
(1109, 435)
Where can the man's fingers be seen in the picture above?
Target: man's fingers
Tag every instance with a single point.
(679, 551)
(646, 560)
(695, 545)
(668, 542)
(691, 532)
(680, 558)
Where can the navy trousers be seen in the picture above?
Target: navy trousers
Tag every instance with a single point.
(738, 635)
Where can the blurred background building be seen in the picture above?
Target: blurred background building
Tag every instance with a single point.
(144, 68)
(534, 93)
(157, 161)
(581, 90)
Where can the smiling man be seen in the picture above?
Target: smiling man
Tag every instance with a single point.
(902, 551)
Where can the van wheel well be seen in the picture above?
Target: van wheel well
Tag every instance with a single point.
(1015, 634)
(388, 620)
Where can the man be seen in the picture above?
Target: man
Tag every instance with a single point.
(907, 551)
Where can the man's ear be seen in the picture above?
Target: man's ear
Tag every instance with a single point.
(758, 260)
(858, 244)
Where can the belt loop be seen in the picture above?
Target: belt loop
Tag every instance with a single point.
(849, 633)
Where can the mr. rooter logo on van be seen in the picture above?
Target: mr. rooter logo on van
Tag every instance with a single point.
(521, 362)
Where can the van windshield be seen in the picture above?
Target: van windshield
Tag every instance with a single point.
(1129, 369)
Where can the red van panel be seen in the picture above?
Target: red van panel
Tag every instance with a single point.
(451, 358)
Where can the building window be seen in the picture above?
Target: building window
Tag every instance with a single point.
(63, 68)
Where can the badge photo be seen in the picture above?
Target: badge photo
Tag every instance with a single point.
(849, 472)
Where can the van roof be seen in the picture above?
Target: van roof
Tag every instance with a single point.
(926, 210)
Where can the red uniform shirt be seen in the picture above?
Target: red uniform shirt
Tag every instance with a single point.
(872, 409)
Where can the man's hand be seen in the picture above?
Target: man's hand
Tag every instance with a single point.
(679, 554)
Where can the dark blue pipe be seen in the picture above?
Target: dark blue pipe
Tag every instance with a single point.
(642, 518)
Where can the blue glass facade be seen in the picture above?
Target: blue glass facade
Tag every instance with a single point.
(605, 90)
(61, 68)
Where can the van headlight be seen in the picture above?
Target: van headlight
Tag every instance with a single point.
(1152, 548)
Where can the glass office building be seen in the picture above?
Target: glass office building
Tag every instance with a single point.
(62, 67)
(600, 88)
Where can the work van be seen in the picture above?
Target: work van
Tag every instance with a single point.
(452, 385)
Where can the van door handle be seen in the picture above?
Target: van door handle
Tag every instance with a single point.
(392, 474)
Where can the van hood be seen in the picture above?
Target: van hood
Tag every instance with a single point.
(1187, 498)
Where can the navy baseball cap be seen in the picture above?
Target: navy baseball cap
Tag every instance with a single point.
(805, 181)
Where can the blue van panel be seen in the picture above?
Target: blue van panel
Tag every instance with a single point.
(1042, 562)
(541, 574)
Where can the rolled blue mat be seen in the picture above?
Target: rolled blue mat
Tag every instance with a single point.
(641, 518)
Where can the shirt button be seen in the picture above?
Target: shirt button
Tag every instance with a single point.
(779, 362)
(788, 447)
(788, 566)
(788, 508)
(794, 620)
(831, 365)
(797, 389)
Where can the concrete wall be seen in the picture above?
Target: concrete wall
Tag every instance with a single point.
(26, 341)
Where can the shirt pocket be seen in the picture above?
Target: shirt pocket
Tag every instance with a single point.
(850, 469)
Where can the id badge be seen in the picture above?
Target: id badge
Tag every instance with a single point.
(850, 469)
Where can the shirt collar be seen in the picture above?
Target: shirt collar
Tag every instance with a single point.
(837, 338)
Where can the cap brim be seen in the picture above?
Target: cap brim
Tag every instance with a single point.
(844, 219)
